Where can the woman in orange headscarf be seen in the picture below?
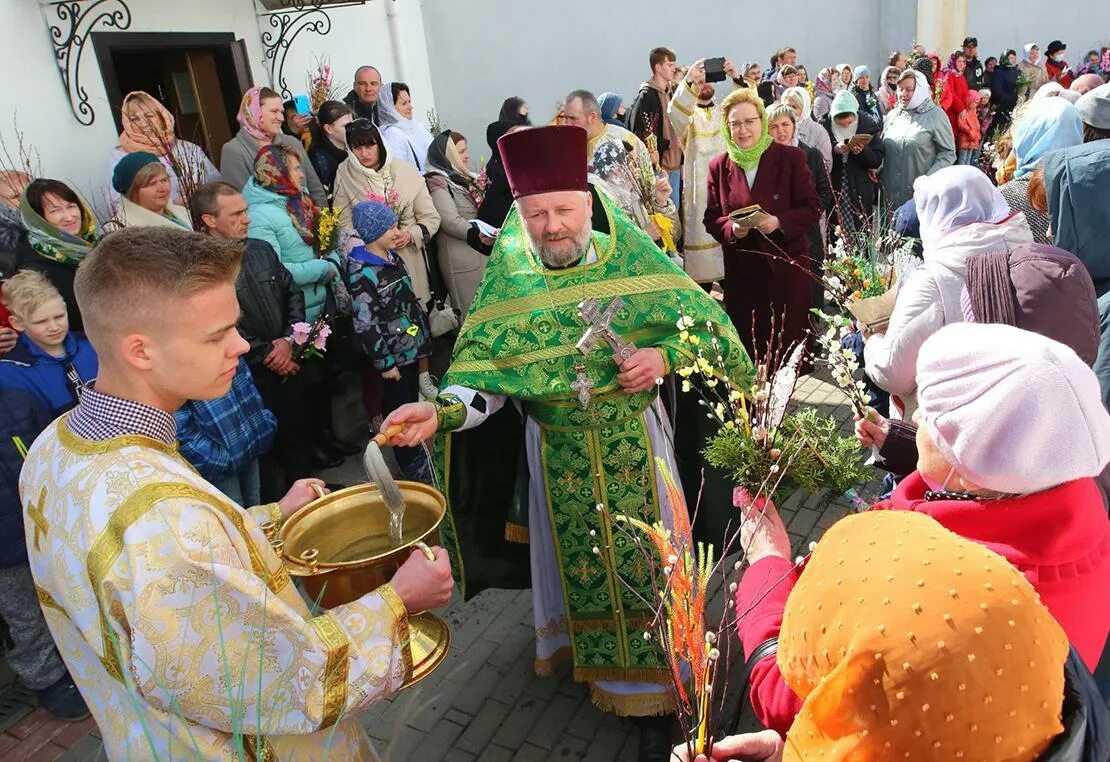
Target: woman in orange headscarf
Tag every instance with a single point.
(903, 640)
(149, 126)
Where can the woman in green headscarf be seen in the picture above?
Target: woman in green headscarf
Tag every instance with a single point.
(61, 230)
(766, 255)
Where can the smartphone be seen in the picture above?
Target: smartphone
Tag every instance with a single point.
(301, 102)
(715, 69)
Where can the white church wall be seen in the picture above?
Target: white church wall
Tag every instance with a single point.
(31, 87)
(1081, 28)
(386, 34)
(484, 51)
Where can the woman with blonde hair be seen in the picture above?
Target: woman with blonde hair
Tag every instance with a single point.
(764, 292)
(149, 126)
(144, 185)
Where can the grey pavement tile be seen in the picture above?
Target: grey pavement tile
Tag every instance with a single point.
(606, 745)
(440, 740)
(517, 727)
(530, 753)
(403, 745)
(569, 749)
(554, 722)
(482, 728)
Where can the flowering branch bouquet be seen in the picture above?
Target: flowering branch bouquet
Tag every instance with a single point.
(320, 87)
(310, 340)
(759, 444)
(841, 361)
(864, 266)
(680, 626)
(477, 189)
(696, 655)
(391, 198)
(326, 238)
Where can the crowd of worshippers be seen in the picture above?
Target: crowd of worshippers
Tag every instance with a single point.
(999, 167)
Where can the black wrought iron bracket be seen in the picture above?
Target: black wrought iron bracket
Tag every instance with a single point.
(284, 24)
(70, 24)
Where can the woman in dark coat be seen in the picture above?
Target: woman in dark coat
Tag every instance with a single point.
(1004, 90)
(783, 128)
(852, 165)
(756, 170)
(329, 143)
(514, 110)
(499, 198)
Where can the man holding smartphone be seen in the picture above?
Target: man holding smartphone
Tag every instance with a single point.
(693, 113)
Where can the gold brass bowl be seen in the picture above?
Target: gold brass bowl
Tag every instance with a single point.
(338, 546)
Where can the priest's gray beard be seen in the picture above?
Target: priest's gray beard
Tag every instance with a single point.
(563, 250)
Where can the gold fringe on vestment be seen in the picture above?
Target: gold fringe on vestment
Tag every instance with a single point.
(516, 533)
(632, 705)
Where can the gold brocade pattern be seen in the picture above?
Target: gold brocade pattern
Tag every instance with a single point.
(177, 621)
(335, 673)
(38, 521)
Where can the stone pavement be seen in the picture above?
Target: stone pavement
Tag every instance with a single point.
(484, 702)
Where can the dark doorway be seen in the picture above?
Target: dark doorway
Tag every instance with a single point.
(200, 78)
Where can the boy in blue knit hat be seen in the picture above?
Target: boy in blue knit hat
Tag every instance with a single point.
(390, 325)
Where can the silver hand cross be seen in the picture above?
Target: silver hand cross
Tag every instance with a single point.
(598, 327)
(582, 384)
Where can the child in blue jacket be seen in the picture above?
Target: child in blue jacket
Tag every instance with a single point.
(390, 325)
(41, 378)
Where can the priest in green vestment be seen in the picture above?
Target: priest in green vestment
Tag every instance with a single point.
(578, 328)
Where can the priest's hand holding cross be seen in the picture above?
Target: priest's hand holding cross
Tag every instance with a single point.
(642, 370)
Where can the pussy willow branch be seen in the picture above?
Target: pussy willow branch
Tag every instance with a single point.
(29, 160)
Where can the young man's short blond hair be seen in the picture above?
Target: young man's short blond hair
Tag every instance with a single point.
(26, 291)
(135, 277)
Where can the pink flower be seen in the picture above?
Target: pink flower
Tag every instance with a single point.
(301, 332)
(321, 340)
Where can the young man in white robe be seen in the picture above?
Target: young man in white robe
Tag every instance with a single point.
(174, 615)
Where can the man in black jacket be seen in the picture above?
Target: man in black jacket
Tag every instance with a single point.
(270, 303)
(974, 73)
(648, 115)
(363, 98)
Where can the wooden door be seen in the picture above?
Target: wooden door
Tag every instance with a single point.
(242, 65)
(209, 99)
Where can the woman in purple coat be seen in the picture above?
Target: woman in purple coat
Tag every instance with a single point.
(766, 264)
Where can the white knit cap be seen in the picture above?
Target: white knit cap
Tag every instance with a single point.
(1013, 411)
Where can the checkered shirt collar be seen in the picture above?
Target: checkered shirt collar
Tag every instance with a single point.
(102, 416)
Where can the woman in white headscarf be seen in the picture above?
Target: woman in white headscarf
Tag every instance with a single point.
(844, 76)
(408, 139)
(809, 131)
(917, 139)
(961, 214)
(1032, 72)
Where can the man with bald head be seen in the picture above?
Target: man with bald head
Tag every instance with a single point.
(363, 98)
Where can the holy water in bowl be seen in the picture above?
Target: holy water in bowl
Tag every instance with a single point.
(366, 547)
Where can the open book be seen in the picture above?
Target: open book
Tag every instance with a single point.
(749, 216)
(860, 139)
(489, 231)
